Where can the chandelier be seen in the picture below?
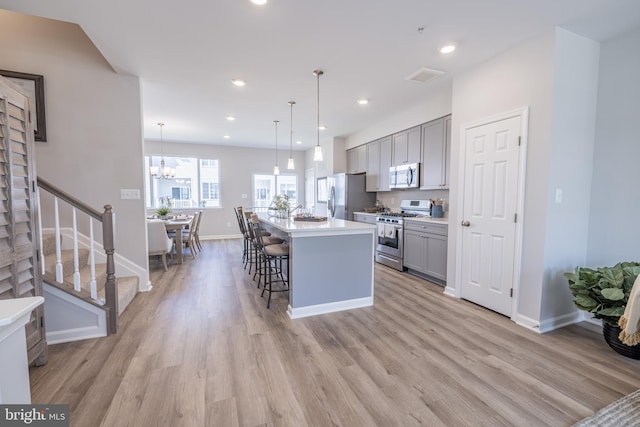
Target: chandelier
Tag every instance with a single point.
(164, 172)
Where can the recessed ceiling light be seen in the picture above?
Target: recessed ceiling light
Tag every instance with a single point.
(230, 118)
(298, 142)
(322, 127)
(363, 101)
(448, 48)
(226, 137)
(238, 82)
(259, 2)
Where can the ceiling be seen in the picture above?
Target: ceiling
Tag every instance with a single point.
(186, 54)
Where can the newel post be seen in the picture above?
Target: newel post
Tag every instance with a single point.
(110, 289)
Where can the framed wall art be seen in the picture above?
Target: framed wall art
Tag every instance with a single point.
(33, 86)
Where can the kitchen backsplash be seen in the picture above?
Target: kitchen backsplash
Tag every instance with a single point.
(392, 199)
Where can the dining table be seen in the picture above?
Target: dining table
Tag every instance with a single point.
(178, 224)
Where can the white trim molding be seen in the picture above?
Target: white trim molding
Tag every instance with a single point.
(331, 307)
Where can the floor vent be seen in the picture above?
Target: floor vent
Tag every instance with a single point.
(424, 75)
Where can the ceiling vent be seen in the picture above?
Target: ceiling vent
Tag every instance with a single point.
(423, 75)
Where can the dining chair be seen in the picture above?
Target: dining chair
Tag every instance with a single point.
(188, 236)
(196, 232)
(158, 242)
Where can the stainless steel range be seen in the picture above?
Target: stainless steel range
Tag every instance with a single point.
(390, 250)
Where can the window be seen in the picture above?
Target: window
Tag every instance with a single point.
(265, 187)
(196, 183)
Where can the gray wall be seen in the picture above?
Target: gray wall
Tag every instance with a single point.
(613, 229)
(94, 127)
(237, 166)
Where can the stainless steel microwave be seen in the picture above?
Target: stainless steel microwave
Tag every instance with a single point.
(404, 176)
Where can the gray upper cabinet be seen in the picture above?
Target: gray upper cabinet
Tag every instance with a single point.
(357, 159)
(406, 146)
(436, 149)
(378, 163)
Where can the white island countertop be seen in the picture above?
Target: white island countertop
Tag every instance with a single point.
(330, 226)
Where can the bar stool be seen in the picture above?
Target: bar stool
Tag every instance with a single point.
(272, 257)
(254, 251)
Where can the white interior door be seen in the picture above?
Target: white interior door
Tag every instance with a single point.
(490, 200)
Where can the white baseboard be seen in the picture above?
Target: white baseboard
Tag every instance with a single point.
(450, 291)
(331, 307)
(560, 321)
(221, 236)
(527, 322)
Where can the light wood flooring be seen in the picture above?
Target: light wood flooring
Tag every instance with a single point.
(202, 349)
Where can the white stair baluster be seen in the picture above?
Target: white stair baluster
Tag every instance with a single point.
(37, 194)
(59, 272)
(92, 263)
(76, 261)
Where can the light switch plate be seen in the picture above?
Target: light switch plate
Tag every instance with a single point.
(558, 195)
(131, 194)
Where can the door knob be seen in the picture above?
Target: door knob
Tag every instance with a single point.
(465, 223)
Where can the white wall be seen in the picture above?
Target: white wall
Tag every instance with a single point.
(614, 234)
(93, 116)
(570, 170)
(237, 166)
(519, 77)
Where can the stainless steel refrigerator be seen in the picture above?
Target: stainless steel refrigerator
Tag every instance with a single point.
(346, 195)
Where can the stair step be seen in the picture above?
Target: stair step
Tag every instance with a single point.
(48, 244)
(127, 290)
(66, 258)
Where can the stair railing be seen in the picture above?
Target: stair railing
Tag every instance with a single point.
(107, 219)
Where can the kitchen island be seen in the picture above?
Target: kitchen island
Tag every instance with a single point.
(330, 265)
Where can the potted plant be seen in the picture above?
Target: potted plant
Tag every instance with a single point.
(281, 205)
(163, 212)
(604, 292)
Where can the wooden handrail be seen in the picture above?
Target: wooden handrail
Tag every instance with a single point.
(108, 243)
(45, 185)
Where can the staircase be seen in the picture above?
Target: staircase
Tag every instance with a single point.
(83, 296)
(72, 315)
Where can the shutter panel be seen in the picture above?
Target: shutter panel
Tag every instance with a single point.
(19, 275)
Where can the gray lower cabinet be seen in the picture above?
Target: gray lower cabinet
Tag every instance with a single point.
(425, 249)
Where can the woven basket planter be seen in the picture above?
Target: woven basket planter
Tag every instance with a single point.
(611, 337)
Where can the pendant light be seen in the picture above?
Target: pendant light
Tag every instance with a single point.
(290, 164)
(276, 169)
(163, 172)
(317, 153)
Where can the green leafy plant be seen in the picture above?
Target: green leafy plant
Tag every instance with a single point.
(603, 292)
(164, 210)
(281, 202)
